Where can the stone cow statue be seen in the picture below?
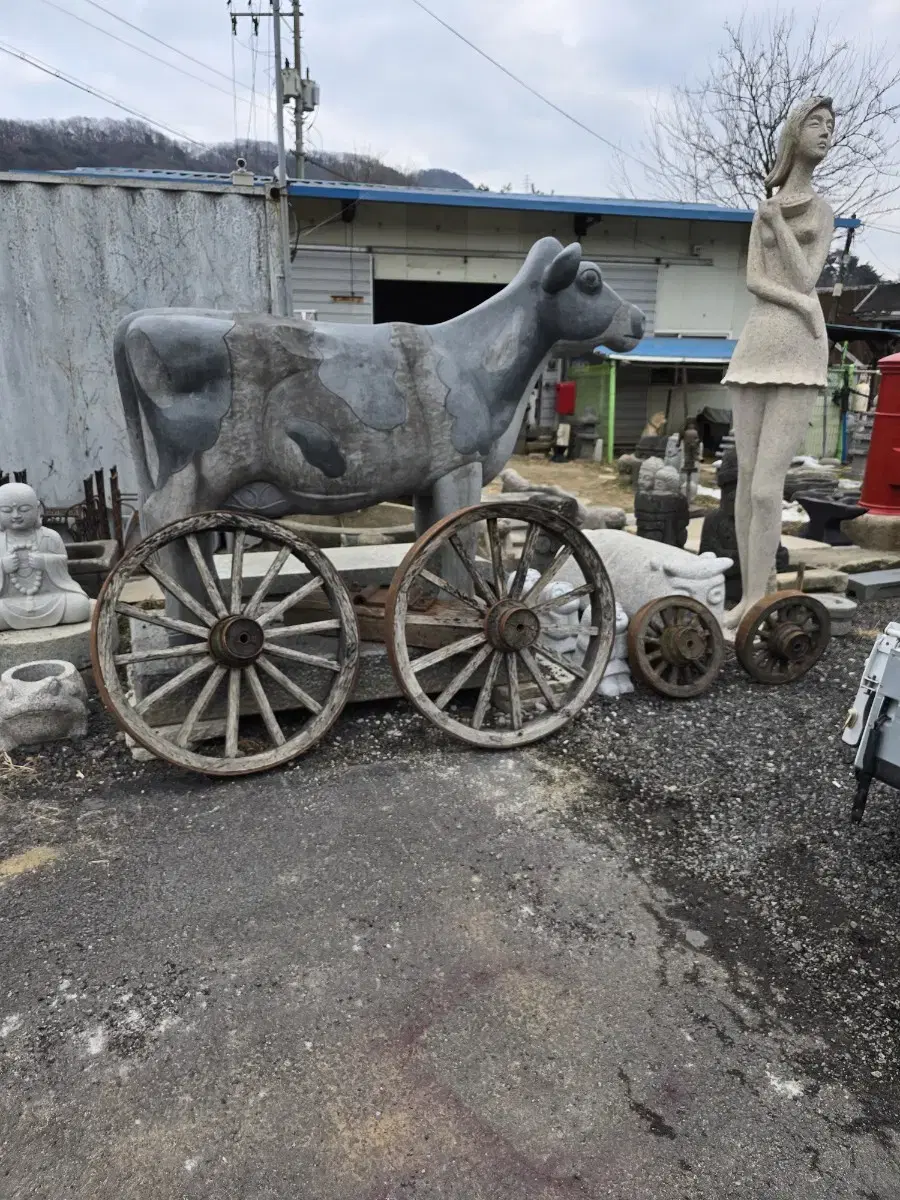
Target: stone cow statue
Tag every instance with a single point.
(221, 407)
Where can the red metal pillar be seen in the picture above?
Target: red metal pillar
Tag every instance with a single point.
(881, 484)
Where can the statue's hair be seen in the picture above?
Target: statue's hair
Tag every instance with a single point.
(790, 136)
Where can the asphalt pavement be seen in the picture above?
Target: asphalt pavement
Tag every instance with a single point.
(647, 960)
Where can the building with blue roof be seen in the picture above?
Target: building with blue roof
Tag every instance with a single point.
(90, 245)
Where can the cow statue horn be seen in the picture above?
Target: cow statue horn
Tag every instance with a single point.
(562, 271)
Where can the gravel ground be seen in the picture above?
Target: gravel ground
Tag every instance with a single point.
(736, 803)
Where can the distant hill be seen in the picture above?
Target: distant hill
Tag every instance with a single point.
(82, 142)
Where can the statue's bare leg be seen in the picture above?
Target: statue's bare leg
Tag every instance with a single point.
(785, 422)
(748, 409)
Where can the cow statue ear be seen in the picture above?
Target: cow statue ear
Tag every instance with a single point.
(562, 271)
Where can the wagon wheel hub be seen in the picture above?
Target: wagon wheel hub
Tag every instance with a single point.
(511, 626)
(236, 641)
(791, 643)
(682, 644)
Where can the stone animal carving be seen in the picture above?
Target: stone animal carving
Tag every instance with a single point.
(41, 702)
(641, 571)
(340, 417)
(35, 588)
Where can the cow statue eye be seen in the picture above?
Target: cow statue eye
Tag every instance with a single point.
(590, 281)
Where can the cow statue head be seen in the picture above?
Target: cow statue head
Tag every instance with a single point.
(582, 310)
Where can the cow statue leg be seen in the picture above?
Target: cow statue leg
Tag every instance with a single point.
(180, 496)
(458, 489)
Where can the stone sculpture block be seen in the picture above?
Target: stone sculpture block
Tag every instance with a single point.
(42, 701)
(661, 511)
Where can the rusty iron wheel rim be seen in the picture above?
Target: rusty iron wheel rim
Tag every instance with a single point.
(496, 648)
(676, 647)
(221, 645)
(782, 636)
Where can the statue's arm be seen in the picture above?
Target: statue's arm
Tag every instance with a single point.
(758, 282)
(54, 549)
(804, 265)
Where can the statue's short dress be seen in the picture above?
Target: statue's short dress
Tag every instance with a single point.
(776, 346)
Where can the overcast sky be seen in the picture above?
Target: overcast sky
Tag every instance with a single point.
(394, 82)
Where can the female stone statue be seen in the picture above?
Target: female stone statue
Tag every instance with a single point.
(35, 588)
(780, 363)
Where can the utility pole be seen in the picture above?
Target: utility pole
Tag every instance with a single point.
(838, 289)
(283, 213)
(300, 164)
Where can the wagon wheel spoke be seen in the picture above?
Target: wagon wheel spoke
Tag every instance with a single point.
(301, 656)
(206, 577)
(162, 654)
(442, 584)
(265, 708)
(583, 589)
(326, 625)
(462, 677)
(293, 689)
(172, 685)
(237, 570)
(296, 597)
(446, 620)
(481, 587)
(534, 670)
(197, 709)
(531, 537)
(233, 712)
(515, 696)
(550, 573)
(266, 582)
(424, 661)
(496, 557)
(558, 661)
(154, 617)
(182, 595)
(484, 696)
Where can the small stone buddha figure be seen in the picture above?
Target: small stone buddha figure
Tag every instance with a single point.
(35, 588)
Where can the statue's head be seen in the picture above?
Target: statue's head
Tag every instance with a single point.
(20, 509)
(806, 135)
(667, 481)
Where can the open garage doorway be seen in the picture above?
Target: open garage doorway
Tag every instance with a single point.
(427, 302)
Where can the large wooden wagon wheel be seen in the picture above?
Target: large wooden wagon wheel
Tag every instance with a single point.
(224, 647)
(511, 687)
(782, 636)
(675, 646)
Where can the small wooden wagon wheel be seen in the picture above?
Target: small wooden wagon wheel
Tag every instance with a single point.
(497, 626)
(675, 646)
(782, 636)
(216, 641)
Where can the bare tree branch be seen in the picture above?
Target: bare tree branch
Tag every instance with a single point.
(716, 139)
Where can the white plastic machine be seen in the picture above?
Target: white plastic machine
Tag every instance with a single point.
(873, 723)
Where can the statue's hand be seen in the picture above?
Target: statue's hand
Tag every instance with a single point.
(10, 563)
(811, 311)
(30, 559)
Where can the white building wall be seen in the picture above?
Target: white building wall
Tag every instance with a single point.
(700, 264)
(74, 259)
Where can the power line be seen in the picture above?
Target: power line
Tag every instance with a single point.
(529, 88)
(86, 87)
(159, 41)
(141, 50)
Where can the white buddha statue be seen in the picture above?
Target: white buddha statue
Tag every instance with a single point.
(35, 588)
